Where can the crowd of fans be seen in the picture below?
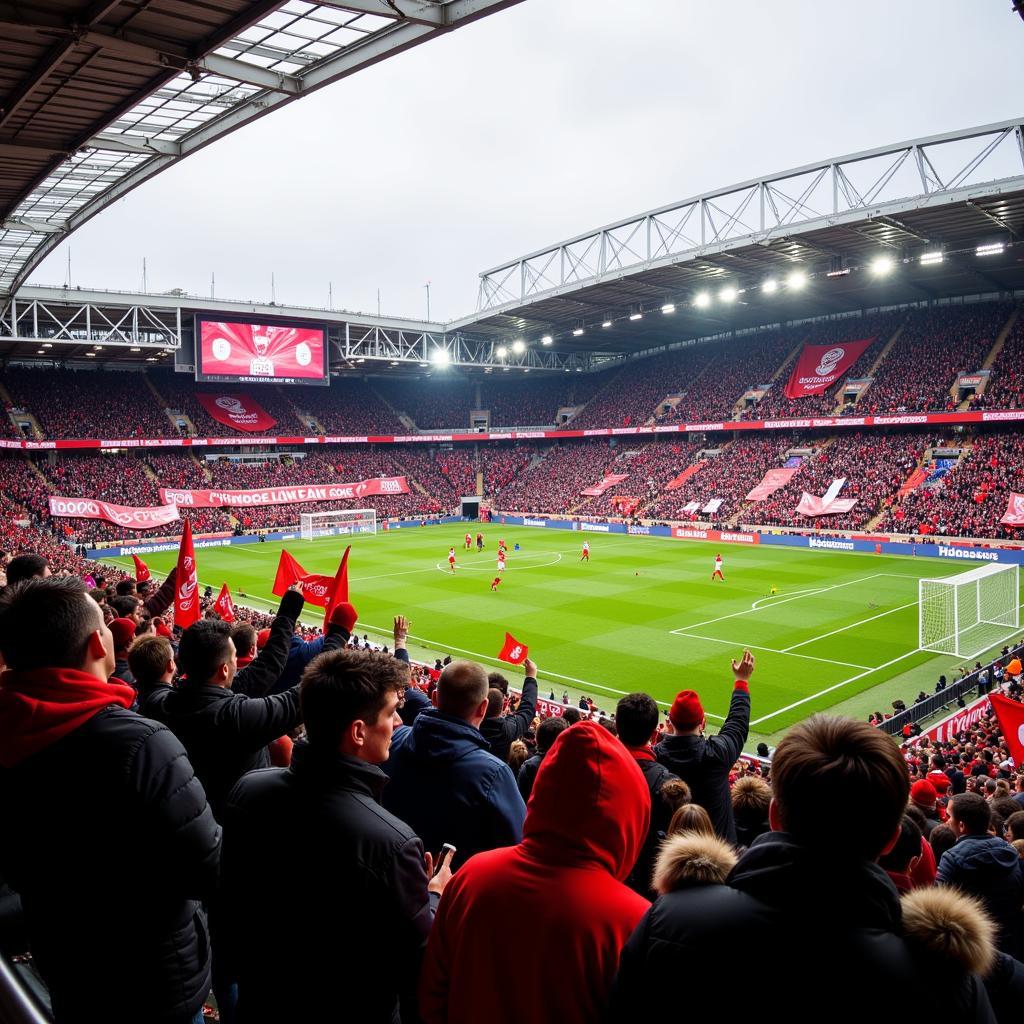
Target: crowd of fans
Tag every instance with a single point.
(933, 348)
(971, 498)
(554, 483)
(1005, 389)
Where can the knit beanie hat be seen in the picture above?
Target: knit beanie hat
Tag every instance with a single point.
(924, 794)
(687, 710)
(124, 633)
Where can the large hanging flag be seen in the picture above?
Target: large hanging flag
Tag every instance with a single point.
(1011, 720)
(186, 595)
(1014, 514)
(820, 366)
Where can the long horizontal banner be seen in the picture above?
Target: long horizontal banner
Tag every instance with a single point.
(285, 495)
(607, 481)
(129, 517)
(717, 426)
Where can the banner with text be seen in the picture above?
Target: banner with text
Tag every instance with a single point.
(770, 483)
(285, 495)
(820, 366)
(1014, 514)
(811, 505)
(610, 480)
(238, 411)
(129, 517)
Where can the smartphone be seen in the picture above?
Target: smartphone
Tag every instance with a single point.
(440, 859)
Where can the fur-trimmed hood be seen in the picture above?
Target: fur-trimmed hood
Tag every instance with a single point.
(691, 858)
(951, 927)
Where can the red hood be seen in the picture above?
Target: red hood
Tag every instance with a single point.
(38, 708)
(590, 803)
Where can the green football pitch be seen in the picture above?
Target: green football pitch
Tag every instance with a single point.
(644, 614)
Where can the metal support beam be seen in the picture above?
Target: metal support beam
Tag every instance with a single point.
(407, 10)
(45, 67)
(40, 227)
(133, 144)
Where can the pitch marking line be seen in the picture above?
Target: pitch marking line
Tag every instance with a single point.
(769, 650)
(852, 625)
(471, 566)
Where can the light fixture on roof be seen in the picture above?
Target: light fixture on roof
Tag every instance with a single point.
(606, 322)
(702, 300)
(133, 349)
(439, 357)
(992, 249)
(360, 360)
(501, 351)
(519, 346)
(796, 280)
(929, 259)
(40, 352)
(669, 307)
(99, 348)
(424, 366)
(526, 369)
(635, 313)
(151, 359)
(91, 355)
(578, 329)
(546, 340)
(880, 266)
(729, 293)
(770, 286)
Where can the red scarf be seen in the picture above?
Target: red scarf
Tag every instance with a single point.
(38, 708)
(642, 753)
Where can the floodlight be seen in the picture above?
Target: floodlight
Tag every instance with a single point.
(577, 331)
(439, 357)
(669, 307)
(606, 323)
(994, 249)
(929, 258)
(519, 346)
(770, 287)
(702, 300)
(501, 352)
(636, 315)
(728, 293)
(546, 340)
(882, 265)
(796, 280)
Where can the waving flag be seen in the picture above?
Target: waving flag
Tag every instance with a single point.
(513, 652)
(141, 570)
(186, 596)
(224, 606)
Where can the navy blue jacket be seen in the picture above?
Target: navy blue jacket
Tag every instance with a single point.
(300, 654)
(989, 868)
(449, 788)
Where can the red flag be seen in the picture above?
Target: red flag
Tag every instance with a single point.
(1011, 721)
(224, 606)
(339, 591)
(316, 589)
(186, 598)
(513, 652)
(141, 569)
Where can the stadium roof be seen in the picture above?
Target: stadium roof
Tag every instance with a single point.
(893, 225)
(97, 97)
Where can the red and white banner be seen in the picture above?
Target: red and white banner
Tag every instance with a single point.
(963, 720)
(259, 352)
(186, 596)
(610, 480)
(285, 495)
(771, 482)
(1014, 514)
(126, 516)
(1011, 720)
(238, 411)
(820, 366)
(224, 606)
(810, 505)
(675, 484)
(514, 652)
(316, 589)
(916, 478)
(141, 570)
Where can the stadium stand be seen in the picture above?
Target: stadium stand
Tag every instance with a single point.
(1006, 388)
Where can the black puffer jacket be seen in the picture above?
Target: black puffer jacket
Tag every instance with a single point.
(325, 893)
(786, 913)
(501, 732)
(111, 844)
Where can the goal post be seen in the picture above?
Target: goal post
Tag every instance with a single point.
(966, 614)
(337, 523)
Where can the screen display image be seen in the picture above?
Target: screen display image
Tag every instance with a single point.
(260, 353)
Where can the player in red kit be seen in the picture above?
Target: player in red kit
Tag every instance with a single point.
(469, 541)
(495, 583)
(451, 559)
(585, 553)
(718, 569)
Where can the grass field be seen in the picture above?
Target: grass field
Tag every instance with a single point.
(643, 614)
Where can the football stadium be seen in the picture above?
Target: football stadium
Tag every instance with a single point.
(667, 597)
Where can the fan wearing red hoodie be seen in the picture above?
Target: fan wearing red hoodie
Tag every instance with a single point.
(555, 905)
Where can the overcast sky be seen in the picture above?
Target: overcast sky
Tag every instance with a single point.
(538, 123)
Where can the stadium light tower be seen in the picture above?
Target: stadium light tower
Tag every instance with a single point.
(439, 357)
(881, 266)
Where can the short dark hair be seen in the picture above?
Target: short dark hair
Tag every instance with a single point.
(547, 732)
(940, 840)
(495, 702)
(972, 811)
(25, 567)
(340, 687)
(572, 715)
(1015, 824)
(125, 605)
(46, 623)
(244, 635)
(125, 588)
(826, 765)
(636, 717)
(203, 649)
(148, 657)
(496, 681)
(907, 847)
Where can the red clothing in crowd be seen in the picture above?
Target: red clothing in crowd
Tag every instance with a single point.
(555, 905)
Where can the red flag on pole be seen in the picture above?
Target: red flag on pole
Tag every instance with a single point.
(513, 652)
(224, 606)
(339, 590)
(316, 589)
(186, 597)
(1011, 720)
(141, 569)
(288, 572)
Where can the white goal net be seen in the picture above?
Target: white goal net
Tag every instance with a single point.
(337, 523)
(969, 613)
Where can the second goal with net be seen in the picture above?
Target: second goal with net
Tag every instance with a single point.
(966, 614)
(337, 523)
